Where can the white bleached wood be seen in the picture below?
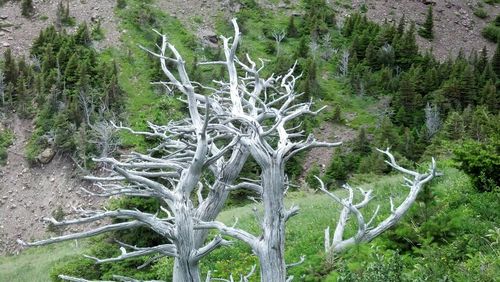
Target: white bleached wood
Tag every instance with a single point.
(366, 232)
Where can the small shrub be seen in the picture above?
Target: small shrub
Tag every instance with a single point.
(491, 32)
(481, 161)
(27, 8)
(480, 13)
(6, 138)
(121, 4)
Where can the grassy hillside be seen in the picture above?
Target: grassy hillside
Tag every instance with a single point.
(34, 264)
(457, 216)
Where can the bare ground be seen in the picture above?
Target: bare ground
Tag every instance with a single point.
(455, 25)
(27, 194)
(19, 36)
(328, 132)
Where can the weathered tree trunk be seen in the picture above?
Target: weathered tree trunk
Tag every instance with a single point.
(271, 250)
(185, 269)
(213, 204)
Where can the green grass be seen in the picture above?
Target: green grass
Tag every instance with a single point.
(138, 69)
(34, 264)
(304, 232)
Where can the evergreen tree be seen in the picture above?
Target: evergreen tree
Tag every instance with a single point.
(401, 26)
(371, 57)
(302, 50)
(10, 67)
(495, 61)
(468, 87)
(27, 8)
(310, 85)
(427, 29)
(82, 36)
(490, 96)
(361, 143)
(406, 48)
(291, 29)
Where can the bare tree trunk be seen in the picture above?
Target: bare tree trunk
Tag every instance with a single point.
(271, 251)
(185, 268)
(213, 204)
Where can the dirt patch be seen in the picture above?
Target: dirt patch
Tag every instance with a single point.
(328, 132)
(455, 25)
(27, 194)
(19, 36)
(198, 16)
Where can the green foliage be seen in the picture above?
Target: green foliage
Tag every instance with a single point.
(27, 8)
(481, 161)
(480, 13)
(491, 33)
(427, 28)
(63, 17)
(368, 265)
(121, 4)
(6, 139)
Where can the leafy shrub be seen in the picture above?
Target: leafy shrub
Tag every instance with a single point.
(121, 4)
(481, 161)
(491, 32)
(6, 138)
(480, 13)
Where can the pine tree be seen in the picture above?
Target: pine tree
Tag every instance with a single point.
(490, 96)
(495, 61)
(361, 143)
(310, 85)
(10, 67)
(291, 29)
(371, 57)
(27, 8)
(401, 26)
(427, 29)
(82, 36)
(406, 48)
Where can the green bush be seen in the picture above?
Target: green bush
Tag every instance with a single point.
(6, 139)
(480, 13)
(491, 32)
(481, 161)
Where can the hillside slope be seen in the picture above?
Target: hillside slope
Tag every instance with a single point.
(27, 194)
(455, 25)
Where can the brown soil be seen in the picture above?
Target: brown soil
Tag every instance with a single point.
(328, 132)
(27, 194)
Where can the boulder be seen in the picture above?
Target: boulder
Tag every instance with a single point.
(46, 156)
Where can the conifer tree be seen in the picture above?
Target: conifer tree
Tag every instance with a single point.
(10, 67)
(401, 26)
(371, 56)
(427, 29)
(490, 97)
(406, 48)
(27, 8)
(82, 36)
(303, 48)
(361, 143)
(291, 29)
(495, 61)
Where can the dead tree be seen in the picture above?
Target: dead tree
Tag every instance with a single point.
(173, 172)
(265, 110)
(366, 231)
(245, 115)
(278, 37)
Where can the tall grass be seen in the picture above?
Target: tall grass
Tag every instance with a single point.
(34, 264)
